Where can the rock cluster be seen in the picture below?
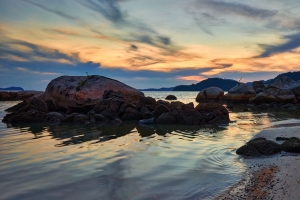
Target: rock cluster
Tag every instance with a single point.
(260, 146)
(99, 99)
(283, 93)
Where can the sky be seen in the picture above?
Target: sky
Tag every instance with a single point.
(147, 43)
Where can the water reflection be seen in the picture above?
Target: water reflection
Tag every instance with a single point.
(100, 161)
(69, 134)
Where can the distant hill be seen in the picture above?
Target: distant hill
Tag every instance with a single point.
(293, 75)
(157, 89)
(13, 88)
(224, 84)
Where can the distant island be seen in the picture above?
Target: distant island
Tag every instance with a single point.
(224, 84)
(12, 89)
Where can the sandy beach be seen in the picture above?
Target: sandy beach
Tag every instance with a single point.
(274, 177)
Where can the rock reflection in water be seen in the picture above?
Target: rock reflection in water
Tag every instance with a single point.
(76, 134)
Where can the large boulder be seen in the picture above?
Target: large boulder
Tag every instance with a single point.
(258, 86)
(73, 90)
(211, 93)
(241, 93)
(241, 88)
(284, 82)
(213, 112)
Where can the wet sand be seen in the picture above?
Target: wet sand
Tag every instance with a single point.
(275, 177)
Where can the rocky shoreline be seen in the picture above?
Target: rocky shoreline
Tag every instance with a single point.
(273, 177)
(97, 99)
(90, 99)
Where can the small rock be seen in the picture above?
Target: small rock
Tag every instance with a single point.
(171, 97)
(291, 145)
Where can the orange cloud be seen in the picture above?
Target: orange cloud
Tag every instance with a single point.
(191, 78)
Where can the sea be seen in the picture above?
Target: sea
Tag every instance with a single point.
(127, 162)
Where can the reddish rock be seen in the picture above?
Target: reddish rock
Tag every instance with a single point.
(73, 90)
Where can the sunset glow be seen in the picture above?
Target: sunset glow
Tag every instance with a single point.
(166, 43)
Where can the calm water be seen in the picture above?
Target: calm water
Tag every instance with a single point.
(94, 161)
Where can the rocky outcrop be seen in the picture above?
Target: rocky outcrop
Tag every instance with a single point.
(258, 147)
(17, 96)
(283, 90)
(211, 93)
(274, 94)
(171, 97)
(63, 102)
(68, 91)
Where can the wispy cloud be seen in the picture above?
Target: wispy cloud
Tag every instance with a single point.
(25, 51)
(107, 8)
(292, 42)
(63, 32)
(237, 9)
(23, 69)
